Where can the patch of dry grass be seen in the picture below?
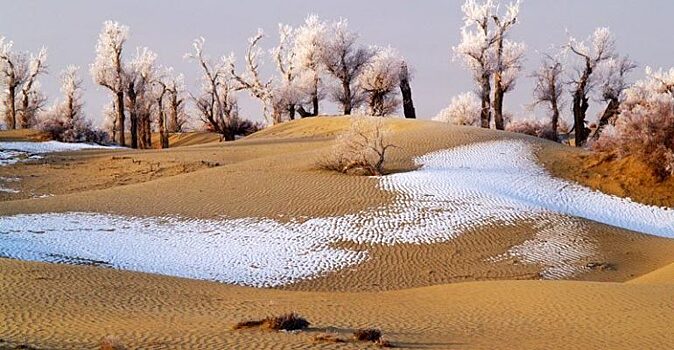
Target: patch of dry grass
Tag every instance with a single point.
(286, 322)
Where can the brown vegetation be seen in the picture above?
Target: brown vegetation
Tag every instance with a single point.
(286, 322)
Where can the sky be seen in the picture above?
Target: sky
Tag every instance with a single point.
(422, 31)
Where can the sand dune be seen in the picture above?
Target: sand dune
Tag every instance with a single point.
(396, 273)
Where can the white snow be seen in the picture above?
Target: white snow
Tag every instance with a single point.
(13, 152)
(493, 183)
(48, 146)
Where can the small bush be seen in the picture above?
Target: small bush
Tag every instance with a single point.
(112, 343)
(361, 150)
(286, 322)
(533, 127)
(69, 130)
(368, 334)
(464, 109)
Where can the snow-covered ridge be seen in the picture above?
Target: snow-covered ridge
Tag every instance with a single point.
(47, 146)
(455, 190)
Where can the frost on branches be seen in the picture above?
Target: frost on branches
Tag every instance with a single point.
(487, 53)
(380, 80)
(216, 103)
(645, 128)
(108, 71)
(20, 94)
(464, 109)
(65, 121)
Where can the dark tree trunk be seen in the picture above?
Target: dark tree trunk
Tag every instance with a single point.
(499, 92)
(555, 118)
(314, 102)
(120, 118)
(131, 95)
(348, 103)
(580, 106)
(11, 107)
(23, 117)
(303, 112)
(406, 91)
(485, 113)
(291, 111)
(608, 117)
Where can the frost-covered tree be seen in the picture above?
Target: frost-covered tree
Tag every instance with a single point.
(485, 51)
(70, 107)
(251, 81)
(138, 76)
(590, 54)
(216, 102)
(645, 128)
(308, 46)
(14, 70)
(464, 109)
(65, 120)
(289, 93)
(159, 93)
(175, 105)
(32, 99)
(549, 87)
(345, 59)
(380, 81)
(613, 83)
(108, 70)
(21, 97)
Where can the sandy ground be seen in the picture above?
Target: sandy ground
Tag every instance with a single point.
(402, 289)
(73, 307)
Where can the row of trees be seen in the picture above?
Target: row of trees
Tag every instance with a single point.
(582, 69)
(314, 61)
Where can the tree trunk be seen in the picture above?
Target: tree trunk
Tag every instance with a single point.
(555, 118)
(147, 130)
(485, 113)
(498, 102)
(173, 118)
(580, 105)
(348, 103)
(11, 107)
(120, 118)
(23, 117)
(610, 114)
(408, 104)
(131, 95)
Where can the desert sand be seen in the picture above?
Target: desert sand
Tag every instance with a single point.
(621, 298)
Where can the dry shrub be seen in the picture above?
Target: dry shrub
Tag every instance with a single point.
(532, 127)
(72, 130)
(112, 343)
(645, 127)
(286, 322)
(361, 150)
(367, 334)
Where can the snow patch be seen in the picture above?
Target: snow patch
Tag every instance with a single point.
(492, 183)
(14, 152)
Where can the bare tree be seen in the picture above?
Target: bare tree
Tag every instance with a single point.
(344, 59)
(175, 105)
(380, 81)
(549, 88)
(107, 69)
(485, 51)
(362, 149)
(508, 59)
(138, 77)
(600, 49)
(216, 104)
(252, 82)
(159, 94)
(613, 84)
(32, 100)
(406, 91)
(14, 69)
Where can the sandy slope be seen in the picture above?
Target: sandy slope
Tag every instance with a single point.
(273, 174)
(71, 307)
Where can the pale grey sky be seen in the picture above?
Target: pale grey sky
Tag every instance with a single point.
(423, 31)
